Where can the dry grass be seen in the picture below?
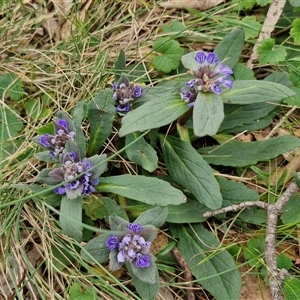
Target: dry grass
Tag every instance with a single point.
(68, 55)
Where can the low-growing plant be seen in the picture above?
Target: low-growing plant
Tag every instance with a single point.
(151, 127)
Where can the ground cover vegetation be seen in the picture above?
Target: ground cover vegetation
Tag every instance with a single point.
(149, 149)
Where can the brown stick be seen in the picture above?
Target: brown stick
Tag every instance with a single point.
(276, 277)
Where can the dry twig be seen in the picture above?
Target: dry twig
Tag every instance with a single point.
(276, 277)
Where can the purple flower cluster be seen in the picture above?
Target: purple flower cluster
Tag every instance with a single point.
(211, 76)
(56, 143)
(70, 169)
(125, 94)
(131, 247)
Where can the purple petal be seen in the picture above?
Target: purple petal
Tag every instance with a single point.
(61, 190)
(142, 261)
(200, 57)
(137, 91)
(115, 86)
(212, 58)
(112, 242)
(227, 83)
(63, 123)
(119, 108)
(134, 227)
(216, 89)
(73, 185)
(44, 140)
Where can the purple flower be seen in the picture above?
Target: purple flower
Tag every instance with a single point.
(70, 171)
(56, 143)
(125, 93)
(210, 76)
(130, 247)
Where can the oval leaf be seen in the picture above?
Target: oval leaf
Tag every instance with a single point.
(101, 113)
(215, 270)
(230, 48)
(141, 152)
(71, 217)
(208, 114)
(156, 113)
(148, 190)
(254, 91)
(188, 169)
(236, 153)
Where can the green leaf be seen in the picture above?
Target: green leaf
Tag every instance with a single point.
(12, 85)
(117, 223)
(291, 211)
(230, 47)
(171, 54)
(160, 111)
(291, 289)
(147, 291)
(113, 209)
(241, 72)
(174, 27)
(295, 31)
(295, 3)
(99, 164)
(189, 212)
(10, 123)
(263, 2)
(101, 113)
(236, 153)
(188, 169)
(254, 251)
(295, 79)
(251, 27)
(141, 152)
(71, 217)
(241, 4)
(96, 248)
(214, 269)
(148, 190)
(255, 91)
(38, 109)
(245, 116)
(283, 262)
(155, 216)
(208, 114)
(269, 53)
(120, 65)
(43, 176)
(94, 208)
(235, 192)
(78, 292)
(77, 121)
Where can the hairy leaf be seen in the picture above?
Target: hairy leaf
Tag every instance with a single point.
(188, 169)
(230, 47)
(160, 111)
(255, 91)
(101, 113)
(214, 269)
(236, 153)
(141, 152)
(148, 190)
(208, 114)
(71, 217)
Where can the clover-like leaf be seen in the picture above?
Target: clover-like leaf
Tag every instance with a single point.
(171, 54)
(251, 27)
(295, 31)
(269, 53)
